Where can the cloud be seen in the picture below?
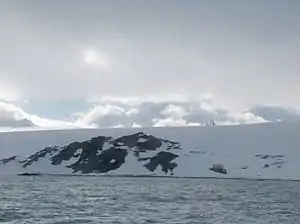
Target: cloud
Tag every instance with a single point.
(244, 53)
(117, 114)
(46, 123)
(13, 116)
(106, 115)
(276, 113)
(136, 125)
(174, 111)
(173, 122)
(173, 115)
(158, 114)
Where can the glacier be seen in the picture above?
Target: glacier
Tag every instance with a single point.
(256, 151)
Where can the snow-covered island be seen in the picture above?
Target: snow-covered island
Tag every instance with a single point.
(259, 151)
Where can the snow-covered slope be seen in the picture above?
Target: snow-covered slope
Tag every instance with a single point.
(268, 151)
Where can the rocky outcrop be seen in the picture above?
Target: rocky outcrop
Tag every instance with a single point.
(269, 156)
(107, 160)
(7, 160)
(164, 159)
(29, 174)
(218, 168)
(273, 160)
(39, 155)
(103, 154)
(139, 154)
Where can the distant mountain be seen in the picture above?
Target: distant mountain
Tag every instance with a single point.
(265, 151)
(16, 123)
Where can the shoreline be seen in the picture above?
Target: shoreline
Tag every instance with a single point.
(151, 176)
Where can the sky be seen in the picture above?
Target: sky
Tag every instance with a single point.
(148, 63)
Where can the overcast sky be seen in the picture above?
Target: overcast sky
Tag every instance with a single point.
(243, 53)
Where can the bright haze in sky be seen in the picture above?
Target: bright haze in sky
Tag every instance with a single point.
(148, 63)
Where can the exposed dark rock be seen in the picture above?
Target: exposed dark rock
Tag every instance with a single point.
(41, 154)
(277, 164)
(218, 168)
(280, 163)
(164, 160)
(278, 160)
(144, 142)
(29, 174)
(269, 156)
(244, 167)
(89, 149)
(140, 141)
(197, 152)
(7, 160)
(102, 154)
(110, 159)
(136, 154)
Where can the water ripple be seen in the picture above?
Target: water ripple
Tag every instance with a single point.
(62, 200)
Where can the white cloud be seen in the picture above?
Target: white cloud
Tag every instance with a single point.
(174, 116)
(193, 124)
(13, 116)
(146, 114)
(41, 122)
(237, 53)
(136, 125)
(276, 113)
(9, 91)
(248, 117)
(117, 126)
(95, 115)
(158, 114)
(132, 111)
(173, 122)
(174, 111)
(168, 122)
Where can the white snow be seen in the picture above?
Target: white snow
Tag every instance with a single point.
(78, 152)
(11, 168)
(142, 140)
(43, 165)
(106, 145)
(235, 147)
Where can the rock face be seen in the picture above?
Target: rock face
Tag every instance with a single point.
(7, 160)
(164, 159)
(218, 168)
(103, 154)
(29, 174)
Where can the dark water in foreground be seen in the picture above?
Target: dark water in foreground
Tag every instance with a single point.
(144, 200)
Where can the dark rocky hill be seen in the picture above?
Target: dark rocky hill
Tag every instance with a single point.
(103, 154)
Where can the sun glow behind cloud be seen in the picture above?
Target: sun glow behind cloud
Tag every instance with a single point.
(94, 58)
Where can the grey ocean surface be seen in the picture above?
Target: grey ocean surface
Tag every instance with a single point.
(54, 199)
